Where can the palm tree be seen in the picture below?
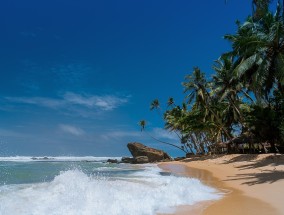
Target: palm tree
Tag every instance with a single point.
(259, 46)
(227, 89)
(198, 88)
(180, 120)
(155, 104)
(260, 8)
(171, 102)
(196, 85)
(142, 124)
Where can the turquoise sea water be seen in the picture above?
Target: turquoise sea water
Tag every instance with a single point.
(90, 186)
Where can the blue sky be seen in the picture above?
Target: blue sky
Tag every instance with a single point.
(78, 76)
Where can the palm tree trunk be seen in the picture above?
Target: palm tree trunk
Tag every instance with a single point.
(195, 144)
(173, 145)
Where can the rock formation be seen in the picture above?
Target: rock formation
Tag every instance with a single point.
(153, 155)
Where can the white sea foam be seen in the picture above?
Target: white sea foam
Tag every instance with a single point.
(60, 158)
(75, 193)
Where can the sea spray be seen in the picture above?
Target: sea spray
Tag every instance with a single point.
(113, 190)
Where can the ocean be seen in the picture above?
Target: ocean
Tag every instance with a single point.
(91, 186)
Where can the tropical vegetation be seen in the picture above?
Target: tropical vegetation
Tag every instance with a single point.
(243, 98)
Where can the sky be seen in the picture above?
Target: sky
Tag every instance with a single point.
(78, 76)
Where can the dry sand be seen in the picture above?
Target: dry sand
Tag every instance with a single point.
(253, 184)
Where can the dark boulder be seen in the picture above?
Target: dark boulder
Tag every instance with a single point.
(112, 161)
(179, 158)
(127, 160)
(153, 155)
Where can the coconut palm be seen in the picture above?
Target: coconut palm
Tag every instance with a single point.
(260, 8)
(171, 102)
(180, 120)
(227, 89)
(142, 124)
(196, 85)
(259, 46)
(155, 104)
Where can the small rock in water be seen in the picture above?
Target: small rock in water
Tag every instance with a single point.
(112, 161)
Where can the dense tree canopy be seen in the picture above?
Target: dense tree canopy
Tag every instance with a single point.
(245, 95)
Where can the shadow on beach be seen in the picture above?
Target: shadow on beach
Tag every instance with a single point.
(267, 176)
(264, 167)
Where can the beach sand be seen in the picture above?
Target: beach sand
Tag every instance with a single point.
(253, 184)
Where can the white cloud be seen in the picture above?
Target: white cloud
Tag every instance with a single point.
(74, 102)
(108, 102)
(71, 130)
(39, 101)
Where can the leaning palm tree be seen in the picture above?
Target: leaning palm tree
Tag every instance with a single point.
(142, 124)
(259, 46)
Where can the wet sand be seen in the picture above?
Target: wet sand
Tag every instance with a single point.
(253, 184)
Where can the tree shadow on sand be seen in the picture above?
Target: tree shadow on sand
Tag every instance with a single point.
(202, 158)
(254, 162)
(268, 176)
(257, 162)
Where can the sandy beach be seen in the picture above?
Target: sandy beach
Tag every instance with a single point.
(252, 184)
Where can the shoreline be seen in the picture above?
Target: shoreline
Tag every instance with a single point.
(253, 184)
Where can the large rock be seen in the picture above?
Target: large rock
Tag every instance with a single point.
(138, 149)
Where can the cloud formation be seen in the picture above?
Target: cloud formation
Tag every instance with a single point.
(38, 101)
(74, 102)
(71, 130)
(108, 102)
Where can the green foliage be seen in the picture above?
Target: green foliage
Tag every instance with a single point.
(263, 123)
(259, 49)
(246, 93)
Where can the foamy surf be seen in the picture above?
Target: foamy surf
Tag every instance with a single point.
(57, 159)
(74, 192)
